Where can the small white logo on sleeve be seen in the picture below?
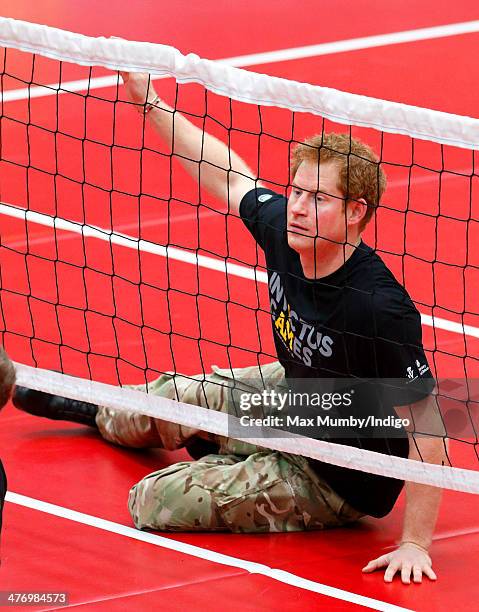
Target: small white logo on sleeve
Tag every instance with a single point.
(411, 374)
(264, 197)
(423, 368)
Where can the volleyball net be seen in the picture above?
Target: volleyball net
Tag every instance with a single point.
(117, 266)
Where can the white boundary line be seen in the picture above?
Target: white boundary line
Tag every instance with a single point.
(268, 57)
(356, 44)
(202, 553)
(251, 87)
(190, 257)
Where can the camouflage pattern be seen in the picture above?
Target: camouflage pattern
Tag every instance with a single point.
(216, 391)
(243, 488)
(264, 492)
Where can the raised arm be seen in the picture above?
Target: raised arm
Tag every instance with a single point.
(208, 160)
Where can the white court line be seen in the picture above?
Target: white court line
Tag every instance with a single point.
(130, 242)
(193, 216)
(202, 553)
(190, 257)
(268, 57)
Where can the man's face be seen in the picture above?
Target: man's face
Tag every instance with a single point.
(315, 212)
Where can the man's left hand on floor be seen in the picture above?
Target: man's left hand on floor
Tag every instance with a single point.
(408, 559)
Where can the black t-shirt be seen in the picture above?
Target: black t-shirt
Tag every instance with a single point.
(357, 323)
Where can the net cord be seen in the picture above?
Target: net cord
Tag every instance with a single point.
(124, 399)
(241, 85)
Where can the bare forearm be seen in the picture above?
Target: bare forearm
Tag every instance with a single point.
(428, 443)
(207, 159)
(422, 507)
(423, 501)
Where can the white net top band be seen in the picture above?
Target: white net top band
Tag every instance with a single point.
(242, 85)
(217, 423)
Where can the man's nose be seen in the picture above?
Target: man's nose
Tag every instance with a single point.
(299, 205)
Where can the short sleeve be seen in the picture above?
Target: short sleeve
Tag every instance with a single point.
(401, 361)
(264, 213)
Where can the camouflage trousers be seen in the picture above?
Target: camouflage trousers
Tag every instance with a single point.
(239, 488)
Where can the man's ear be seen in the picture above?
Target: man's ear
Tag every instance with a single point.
(356, 211)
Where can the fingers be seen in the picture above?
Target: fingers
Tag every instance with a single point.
(124, 75)
(417, 573)
(136, 83)
(406, 573)
(375, 564)
(429, 572)
(406, 563)
(391, 571)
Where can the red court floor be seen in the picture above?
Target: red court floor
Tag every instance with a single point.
(117, 314)
(71, 467)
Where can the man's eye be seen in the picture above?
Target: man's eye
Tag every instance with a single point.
(297, 192)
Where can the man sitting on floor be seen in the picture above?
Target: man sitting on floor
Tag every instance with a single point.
(336, 311)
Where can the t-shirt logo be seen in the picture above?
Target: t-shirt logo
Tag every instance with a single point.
(300, 338)
(264, 197)
(422, 368)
